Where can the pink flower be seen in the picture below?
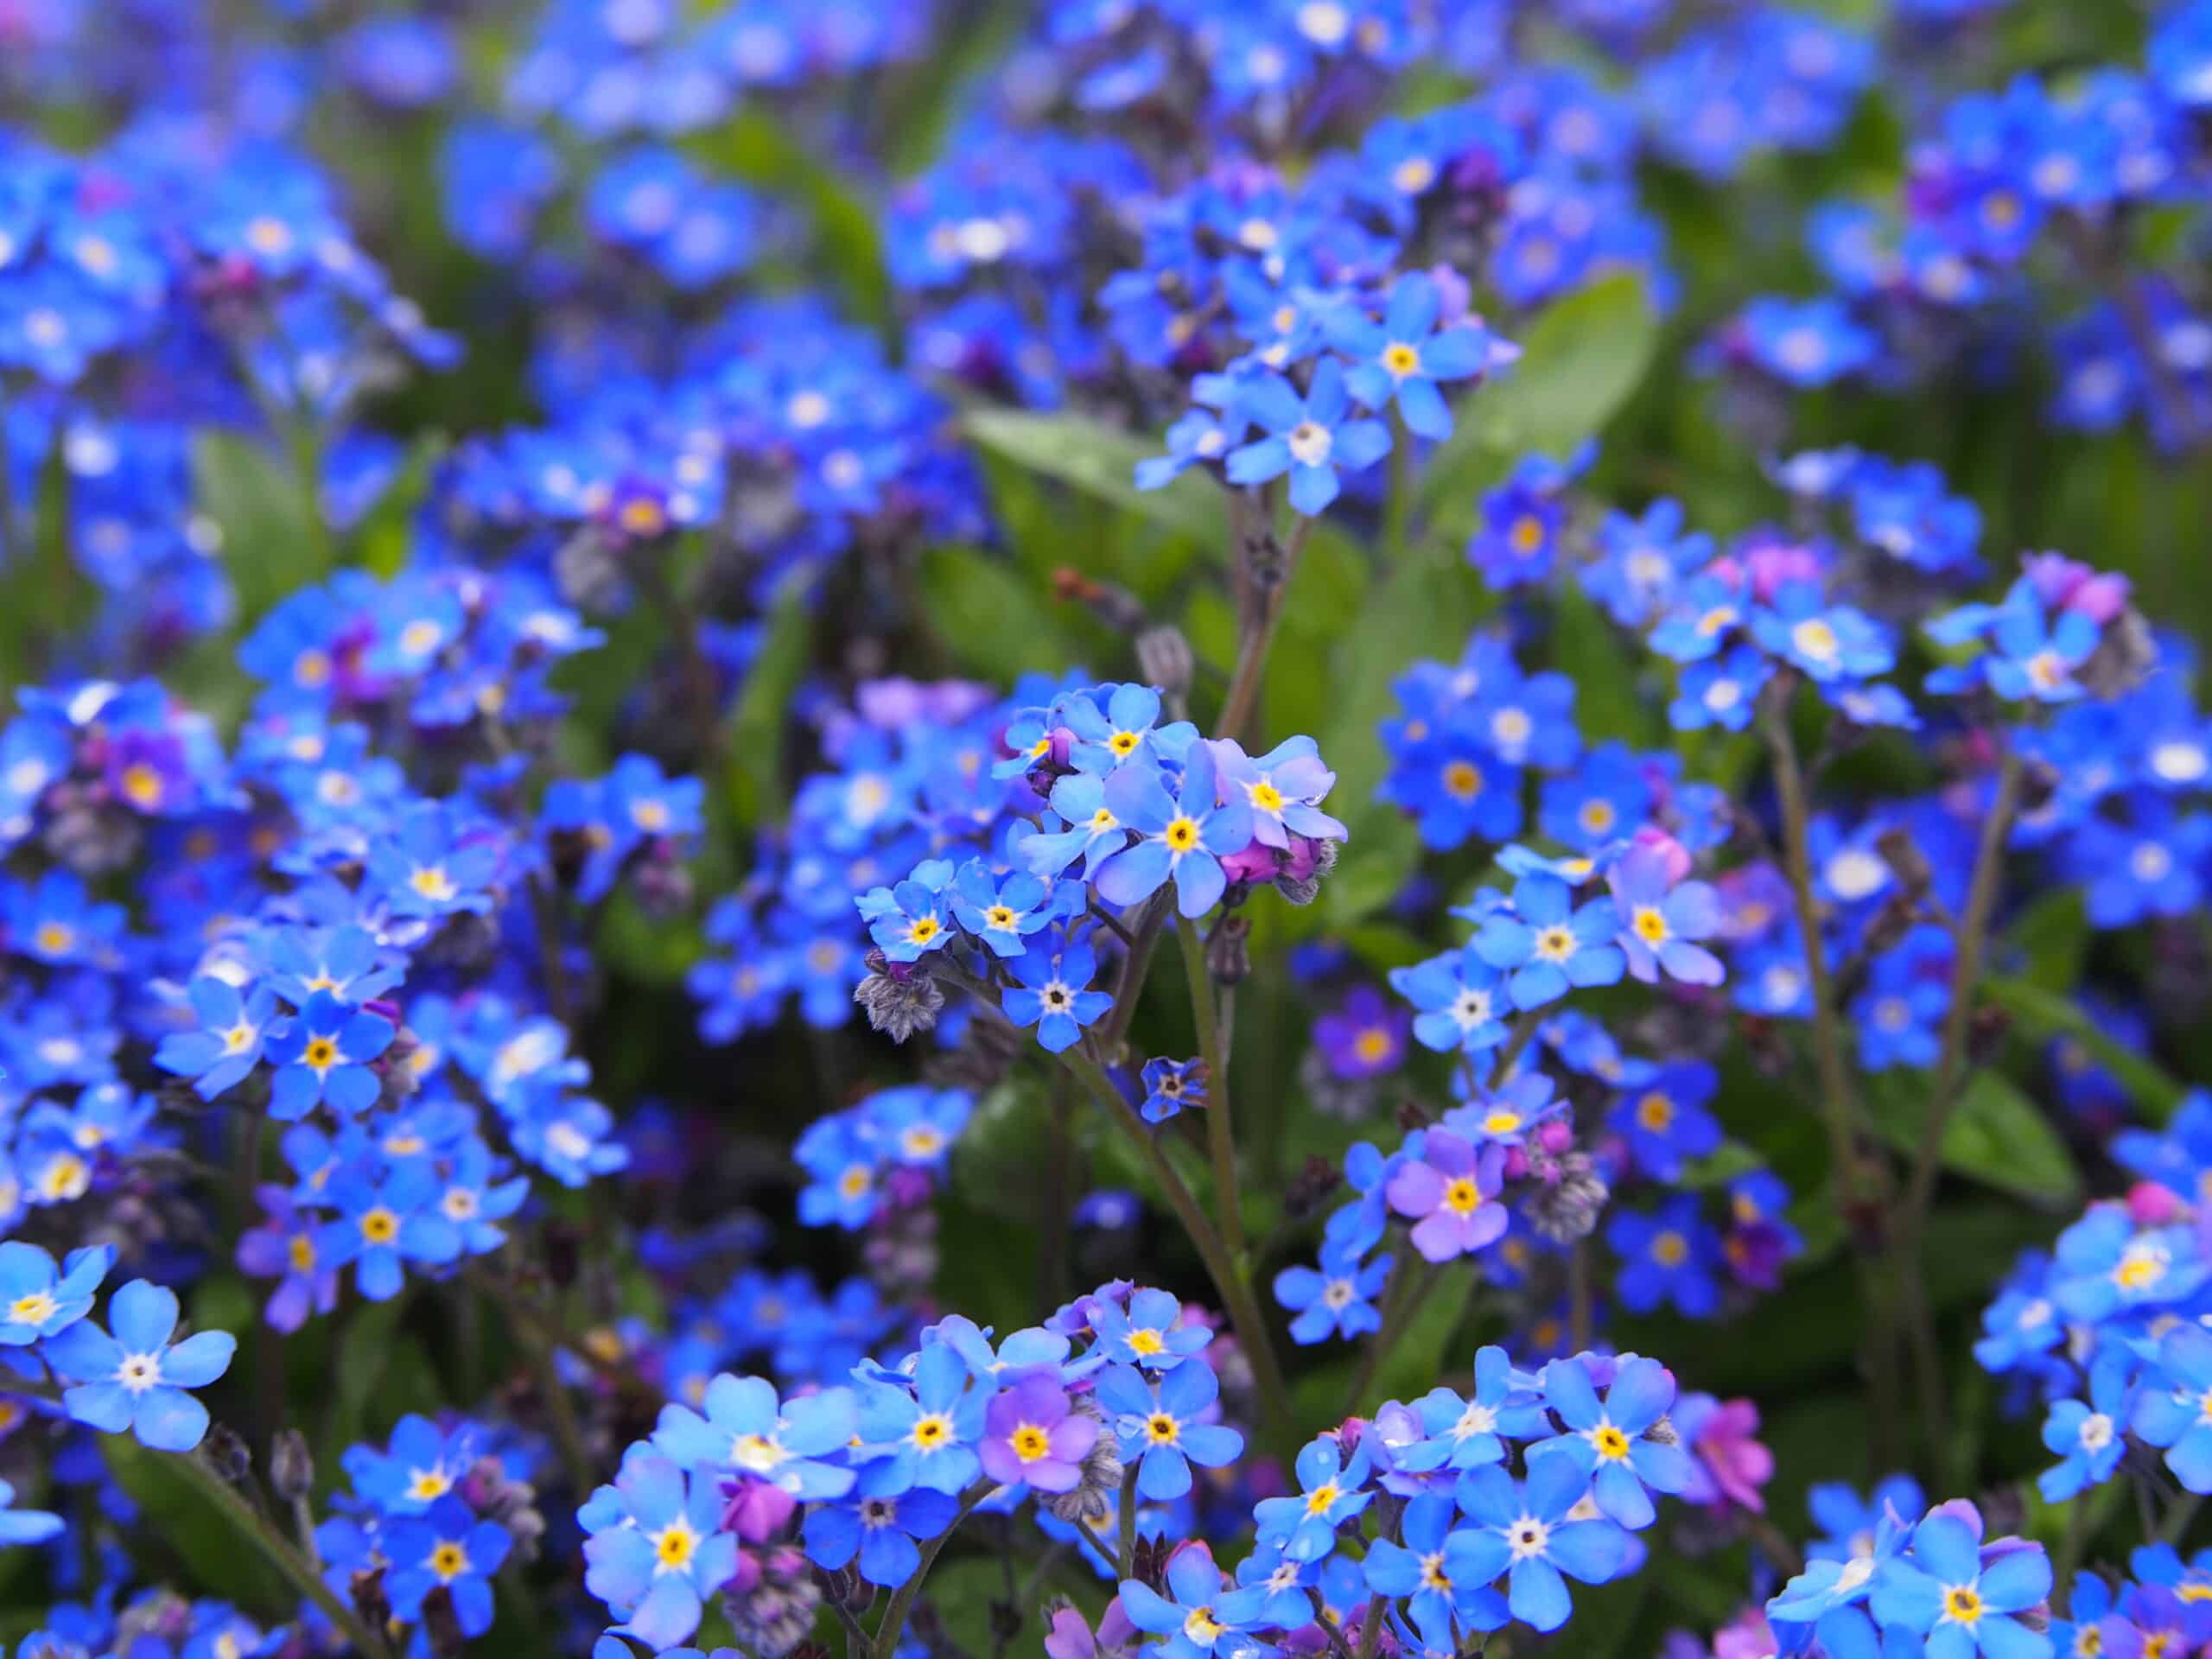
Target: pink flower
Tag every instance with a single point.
(1739, 1464)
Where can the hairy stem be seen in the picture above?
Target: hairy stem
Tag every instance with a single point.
(1237, 1298)
(257, 1530)
(902, 1601)
(1221, 1141)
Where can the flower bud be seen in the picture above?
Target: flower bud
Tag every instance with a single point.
(1164, 657)
(291, 1465)
(900, 998)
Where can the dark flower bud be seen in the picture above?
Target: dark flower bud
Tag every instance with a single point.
(291, 1465)
(2124, 657)
(563, 1247)
(367, 1589)
(1903, 855)
(900, 998)
(1662, 1433)
(1164, 657)
(1985, 1034)
(1227, 958)
(661, 883)
(228, 1453)
(1310, 1187)
(1117, 608)
(1095, 1492)
(588, 572)
(441, 1625)
(986, 1052)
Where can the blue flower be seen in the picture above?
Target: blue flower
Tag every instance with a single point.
(1850, 1524)
(449, 1548)
(659, 1552)
(1406, 354)
(2104, 1264)
(136, 1379)
(747, 1431)
(1170, 1085)
(1331, 1492)
(385, 1224)
(435, 865)
(1664, 1119)
(26, 1526)
(2089, 1439)
(1809, 344)
(1468, 1433)
(1104, 741)
(1548, 945)
(1052, 995)
(1185, 836)
(1666, 1257)
(1460, 997)
(1416, 1569)
(1151, 1333)
(1001, 917)
(1308, 437)
(322, 1055)
(1610, 1440)
(227, 1045)
(1520, 1529)
(2172, 1412)
(1204, 1609)
(880, 1530)
(1094, 834)
(1943, 1590)
(908, 920)
(36, 1300)
(1827, 642)
(421, 1465)
(1164, 1429)
(1337, 1300)
(929, 1436)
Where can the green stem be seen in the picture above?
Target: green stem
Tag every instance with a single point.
(305, 443)
(1136, 964)
(1125, 1535)
(1839, 1109)
(1406, 1293)
(249, 1524)
(1525, 1031)
(895, 1615)
(1973, 935)
(1397, 508)
(568, 1431)
(1221, 1141)
(1260, 634)
(1243, 1309)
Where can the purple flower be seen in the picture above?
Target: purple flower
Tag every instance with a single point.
(1364, 1036)
(1661, 921)
(1030, 1435)
(1448, 1193)
(284, 1246)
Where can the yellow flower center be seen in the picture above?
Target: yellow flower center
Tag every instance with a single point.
(1527, 534)
(1031, 1442)
(380, 1225)
(34, 1309)
(674, 1545)
(1670, 1249)
(449, 1562)
(1182, 834)
(1146, 1340)
(1598, 817)
(1650, 926)
(1400, 360)
(1372, 1044)
(1317, 1500)
(922, 929)
(1961, 1603)
(321, 1053)
(1266, 797)
(301, 1250)
(1160, 1429)
(1462, 1197)
(931, 1432)
(1463, 781)
(1611, 1444)
(1655, 1111)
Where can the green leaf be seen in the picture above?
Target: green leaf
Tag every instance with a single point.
(991, 619)
(1100, 462)
(763, 707)
(268, 546)
(2044, 1013)
(1995, 1133)
(1579, 363)
(757, 147)
(1589, 650)
(189, 1524)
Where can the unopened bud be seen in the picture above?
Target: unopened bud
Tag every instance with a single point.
(1228, 958)
(369, 1599)
(291, 1465)
(1164, 657)
(1903, 855)
(228, 1453)
(442, 1625)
